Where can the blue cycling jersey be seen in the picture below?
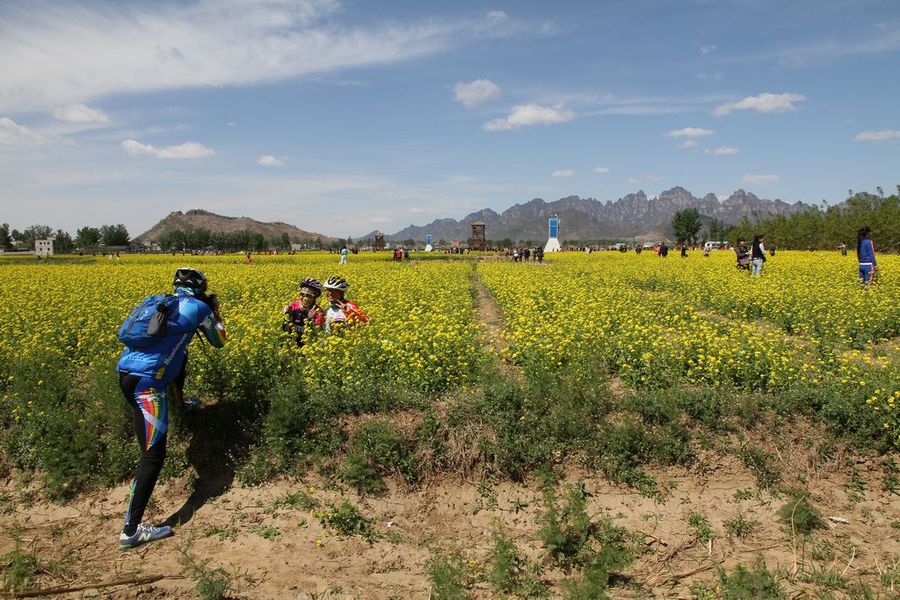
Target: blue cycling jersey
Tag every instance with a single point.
(163, 360)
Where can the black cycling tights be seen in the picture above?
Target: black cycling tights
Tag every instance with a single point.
(149, 408)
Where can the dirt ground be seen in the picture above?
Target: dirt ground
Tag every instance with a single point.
(286, 552)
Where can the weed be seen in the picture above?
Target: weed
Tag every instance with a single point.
(855, 486)
(267, 532)
(739, 526)
(890, 480)
(346, 520)
(800, 515)
(21, 567)
(761, 464)
(210, 583)
(301, 499)
(511, 573)
(743, 494)
(750, 584)
(701, 527)
(566, 530)
(447, 575)
(228, 532)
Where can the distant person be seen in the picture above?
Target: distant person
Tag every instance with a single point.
(843, 249)
(249, 259)
(341, 313)
(344, 253)
(757, 255)
(539, 254)
(156, 336)
(684, 251)
(865, 254)
(663, 250)
(743, 255)
(305, 311)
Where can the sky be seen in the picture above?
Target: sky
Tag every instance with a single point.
(345, 116)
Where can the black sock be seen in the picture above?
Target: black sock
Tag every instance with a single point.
(129, 530)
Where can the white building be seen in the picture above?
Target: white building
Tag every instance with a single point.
(43, 247)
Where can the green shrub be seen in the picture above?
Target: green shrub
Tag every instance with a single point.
(800, 515)
(744, 584)
(447, 575)
(346, 520)
(566, 530)
(20, 568)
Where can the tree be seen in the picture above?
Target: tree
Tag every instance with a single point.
(686, 225)
(63, 243)
(5, 239)
(87, 237)
(114, 235)
(35, 232)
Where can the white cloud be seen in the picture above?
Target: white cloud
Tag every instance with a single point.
(497, 16)
(766, 103)
(715, 76)
(13, 134)
(205, 43)
(267, 160)
(188, 150)
(687, 144)
(475, 93)
(79, 113)
(723, 151)
(877, 136)
(416, 210)
(531, 114)
(633, 180)
(601, 170)
(708, 49)
(380, 220)
(563, 173)
(691, 132)
(653, 178)
(761, 179)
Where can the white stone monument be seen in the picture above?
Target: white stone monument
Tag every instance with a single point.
(428, 246)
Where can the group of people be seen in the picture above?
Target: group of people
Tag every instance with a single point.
(153, 365)
(526, 254)
(752, 260)
(340, 313)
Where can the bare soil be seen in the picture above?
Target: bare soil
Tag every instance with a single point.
(287, 553)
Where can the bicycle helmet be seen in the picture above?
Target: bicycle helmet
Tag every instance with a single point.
(190, 278)
(337, 283)
(312, 284)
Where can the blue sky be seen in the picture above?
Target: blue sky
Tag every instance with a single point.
(345, 116)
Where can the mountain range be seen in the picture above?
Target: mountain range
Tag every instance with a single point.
(633, 216)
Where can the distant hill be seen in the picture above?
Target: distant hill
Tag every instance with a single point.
(635, 215)
(201, 219)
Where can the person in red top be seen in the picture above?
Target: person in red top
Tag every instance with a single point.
(341, 312)
(305, 311)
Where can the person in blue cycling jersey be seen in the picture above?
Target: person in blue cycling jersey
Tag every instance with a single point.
(145, 375)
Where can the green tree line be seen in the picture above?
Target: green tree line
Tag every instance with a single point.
(828, 227)
(86, 237)
(245, 240)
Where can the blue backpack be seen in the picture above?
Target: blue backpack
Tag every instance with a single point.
(146, 324)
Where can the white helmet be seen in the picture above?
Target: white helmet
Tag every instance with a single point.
(337, 283)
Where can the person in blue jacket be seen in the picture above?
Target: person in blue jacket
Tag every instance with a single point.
(865, 253)
(145, 375)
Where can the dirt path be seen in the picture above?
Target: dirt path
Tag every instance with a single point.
(490, 315)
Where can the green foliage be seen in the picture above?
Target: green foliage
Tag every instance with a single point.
(511, 573)
(209, 583)
(566, 530)
(701, 526)
(87, 237)
(739, 526)
(447, 575)
(800, 515)
(378, 449)
(750, 584)
(19, 568)
(346, 520)
(828, 227)
(114, 235)
(686, 224)
(762, 465)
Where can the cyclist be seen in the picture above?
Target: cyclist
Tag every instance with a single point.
(305, 311)
(145, 375)
(341, 312)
